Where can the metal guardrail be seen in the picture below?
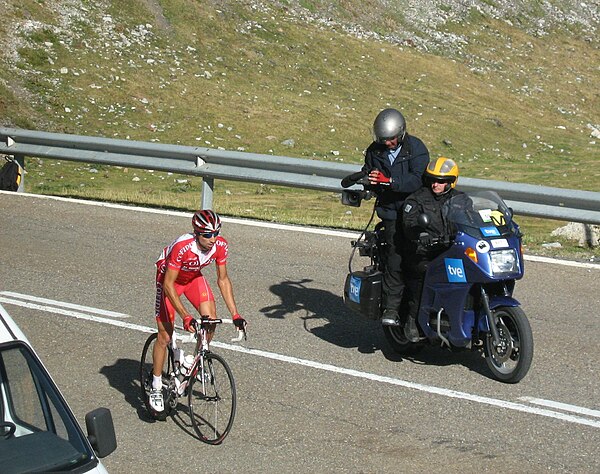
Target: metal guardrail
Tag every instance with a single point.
(210, 164)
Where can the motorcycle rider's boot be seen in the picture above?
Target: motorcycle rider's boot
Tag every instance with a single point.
(411, 332)
(390, 317)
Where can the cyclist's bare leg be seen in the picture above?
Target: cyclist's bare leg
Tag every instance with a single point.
(209, 308)
(165, 331)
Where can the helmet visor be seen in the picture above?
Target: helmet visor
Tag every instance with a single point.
(442, 179)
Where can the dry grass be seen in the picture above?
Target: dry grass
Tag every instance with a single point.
(511, 107)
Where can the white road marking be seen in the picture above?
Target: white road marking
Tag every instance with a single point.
(562, 406)
(249, 222)
(74, 314)
(416, 386)
(89, 309)
(566, 263)
(343, 371)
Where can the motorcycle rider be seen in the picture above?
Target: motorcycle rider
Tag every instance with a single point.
(395, 162)
(439, 182)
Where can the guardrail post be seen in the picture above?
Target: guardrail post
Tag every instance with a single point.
(208, 185)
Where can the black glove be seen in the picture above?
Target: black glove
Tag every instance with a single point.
(239, 322)
(425, 239)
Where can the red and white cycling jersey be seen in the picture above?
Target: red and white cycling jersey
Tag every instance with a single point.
(185, 255)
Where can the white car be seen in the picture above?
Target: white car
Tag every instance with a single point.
(38, 431)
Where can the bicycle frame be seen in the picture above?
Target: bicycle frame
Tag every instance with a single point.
(200, 336)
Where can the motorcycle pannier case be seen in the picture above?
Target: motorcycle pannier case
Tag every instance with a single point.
(362, 293)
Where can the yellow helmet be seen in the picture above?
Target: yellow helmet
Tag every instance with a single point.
(442, 170)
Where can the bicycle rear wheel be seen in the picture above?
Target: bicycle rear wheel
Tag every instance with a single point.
(146, 380)
(212, 399)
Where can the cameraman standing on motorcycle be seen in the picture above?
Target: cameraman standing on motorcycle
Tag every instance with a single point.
(395, 163)
(424, 244)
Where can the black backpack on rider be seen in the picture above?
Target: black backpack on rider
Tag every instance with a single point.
(10, 175)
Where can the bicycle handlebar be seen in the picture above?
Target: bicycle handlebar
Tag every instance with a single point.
(204, 323)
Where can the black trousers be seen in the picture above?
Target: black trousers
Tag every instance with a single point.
(393, 281)
(414, 274)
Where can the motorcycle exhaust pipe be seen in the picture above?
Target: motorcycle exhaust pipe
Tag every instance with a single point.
(439, 330)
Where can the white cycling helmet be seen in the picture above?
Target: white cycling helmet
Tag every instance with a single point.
(206, 222)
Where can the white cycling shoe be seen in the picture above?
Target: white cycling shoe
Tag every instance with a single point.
(155, 398)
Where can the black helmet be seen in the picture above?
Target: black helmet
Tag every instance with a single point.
(388, 125)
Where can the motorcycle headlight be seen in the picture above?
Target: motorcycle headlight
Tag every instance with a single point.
(504, 261)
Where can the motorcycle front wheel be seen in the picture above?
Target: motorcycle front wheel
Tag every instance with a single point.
(400, 345)
(510, 360)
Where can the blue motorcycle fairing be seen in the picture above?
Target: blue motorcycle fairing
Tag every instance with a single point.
(481, 272)
(448, 281)
(496, 301)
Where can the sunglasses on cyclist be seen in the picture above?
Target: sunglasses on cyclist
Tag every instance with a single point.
(209, 235)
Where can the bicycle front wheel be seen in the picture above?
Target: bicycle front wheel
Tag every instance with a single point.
(212, 399)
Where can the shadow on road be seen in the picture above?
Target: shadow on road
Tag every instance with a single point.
(345, 328)
(123, 375)
(443, 357)
(341, 326)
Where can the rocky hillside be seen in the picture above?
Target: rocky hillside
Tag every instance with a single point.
(427, 24)
(288, 76)
(424, 24)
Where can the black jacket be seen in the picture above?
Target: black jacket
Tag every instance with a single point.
(406, 174)
(425, 201)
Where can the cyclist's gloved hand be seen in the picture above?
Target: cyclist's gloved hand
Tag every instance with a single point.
(239, 322)
(377, 177)
(189, 323)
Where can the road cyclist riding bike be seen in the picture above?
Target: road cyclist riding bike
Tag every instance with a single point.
(201, 375)
(179, 272)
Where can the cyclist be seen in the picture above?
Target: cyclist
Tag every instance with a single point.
(179, 271)
(439, 183)
(395, 163)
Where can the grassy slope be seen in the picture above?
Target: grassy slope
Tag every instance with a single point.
(510, 106)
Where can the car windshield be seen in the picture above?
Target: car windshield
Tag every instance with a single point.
(37, 430)
(481, 214)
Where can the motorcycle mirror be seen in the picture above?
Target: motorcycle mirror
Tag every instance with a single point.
(423, 220)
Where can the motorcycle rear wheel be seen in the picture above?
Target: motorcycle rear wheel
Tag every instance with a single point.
(511, 359)
(400, 345)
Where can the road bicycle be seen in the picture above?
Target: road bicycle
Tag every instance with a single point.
(203, 376)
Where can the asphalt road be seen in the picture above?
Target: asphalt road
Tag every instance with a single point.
(319, 390)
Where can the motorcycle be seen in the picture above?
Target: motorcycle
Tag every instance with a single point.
(466, 299)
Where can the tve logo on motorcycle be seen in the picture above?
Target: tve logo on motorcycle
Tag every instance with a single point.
(455, 270)
(490, 231)
(354, 292)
